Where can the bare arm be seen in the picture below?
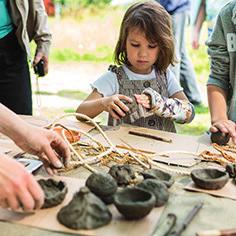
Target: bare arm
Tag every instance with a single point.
(95, 103)
(218, 110)
(198, 25)
(46, 144)
(217, 103)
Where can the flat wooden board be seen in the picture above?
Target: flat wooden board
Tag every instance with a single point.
(188, 144)
(228, 191)
(46, 218)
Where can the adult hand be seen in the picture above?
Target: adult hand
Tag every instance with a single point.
(46, 144)
(38, 57)
(115, 106)
(225, 126)
(18, 188)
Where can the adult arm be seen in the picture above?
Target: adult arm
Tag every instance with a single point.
(46, 144)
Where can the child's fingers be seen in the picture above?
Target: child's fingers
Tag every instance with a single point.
(114, 114)
(120, 107)
(213, 129)
(145, 105)
(128, 99)
(225, 126)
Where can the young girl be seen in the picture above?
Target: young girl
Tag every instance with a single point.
(144, 50)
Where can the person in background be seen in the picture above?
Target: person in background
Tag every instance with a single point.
(221, 85)
(204, 10)
(21, 22)
(143, 53)
(184, 71)
(18, 188)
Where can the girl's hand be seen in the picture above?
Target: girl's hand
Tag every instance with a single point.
(225, 126)
(144, 100)
(116, 108)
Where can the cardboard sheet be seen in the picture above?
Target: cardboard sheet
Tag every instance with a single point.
(228, 191)
(9, 147)
(121, 136)
(46, 218)
(42, 121)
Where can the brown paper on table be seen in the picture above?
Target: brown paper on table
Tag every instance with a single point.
(9, 147)
(42, 122)
(46, 218)
(228, 191)
(179, 143)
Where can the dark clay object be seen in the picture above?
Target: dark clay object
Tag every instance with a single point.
(134, 203)
(234, 180)
(160, 175)
(231, 170)
(102, 185)
(84, 211)
(158, 188)
(123, 174)
(220, 138)
(211, 179)
(54, 191)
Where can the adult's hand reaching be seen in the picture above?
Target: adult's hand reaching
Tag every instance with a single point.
(18, 188)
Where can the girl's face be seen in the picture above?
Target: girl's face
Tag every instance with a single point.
(140, 53)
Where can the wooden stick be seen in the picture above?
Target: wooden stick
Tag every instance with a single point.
(151, 136)
(226, 232)
(134, 149)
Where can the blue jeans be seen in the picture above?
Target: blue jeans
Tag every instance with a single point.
(184, 70)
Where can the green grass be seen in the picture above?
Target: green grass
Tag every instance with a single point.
(201, 109)
(101, 54)
(72, 94)
(70, 110)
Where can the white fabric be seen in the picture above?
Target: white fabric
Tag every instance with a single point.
(108, 85)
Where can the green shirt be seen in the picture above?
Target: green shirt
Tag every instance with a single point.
(222, 52)
(5, 19)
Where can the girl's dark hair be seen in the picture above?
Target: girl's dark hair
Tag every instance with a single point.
(153, 20)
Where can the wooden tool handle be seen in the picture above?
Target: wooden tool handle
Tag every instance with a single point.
(227, 232)
(151, 136)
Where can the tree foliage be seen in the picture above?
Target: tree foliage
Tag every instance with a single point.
(86, 3)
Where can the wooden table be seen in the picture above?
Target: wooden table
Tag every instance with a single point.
(216, 213)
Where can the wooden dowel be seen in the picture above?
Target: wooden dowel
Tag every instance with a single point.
(134, 149)
(226, 232)
(151, 136)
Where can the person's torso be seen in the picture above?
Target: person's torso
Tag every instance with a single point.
(213, 7)
(175, 6)
(227, 26)
(6, 25)
(129, 88)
